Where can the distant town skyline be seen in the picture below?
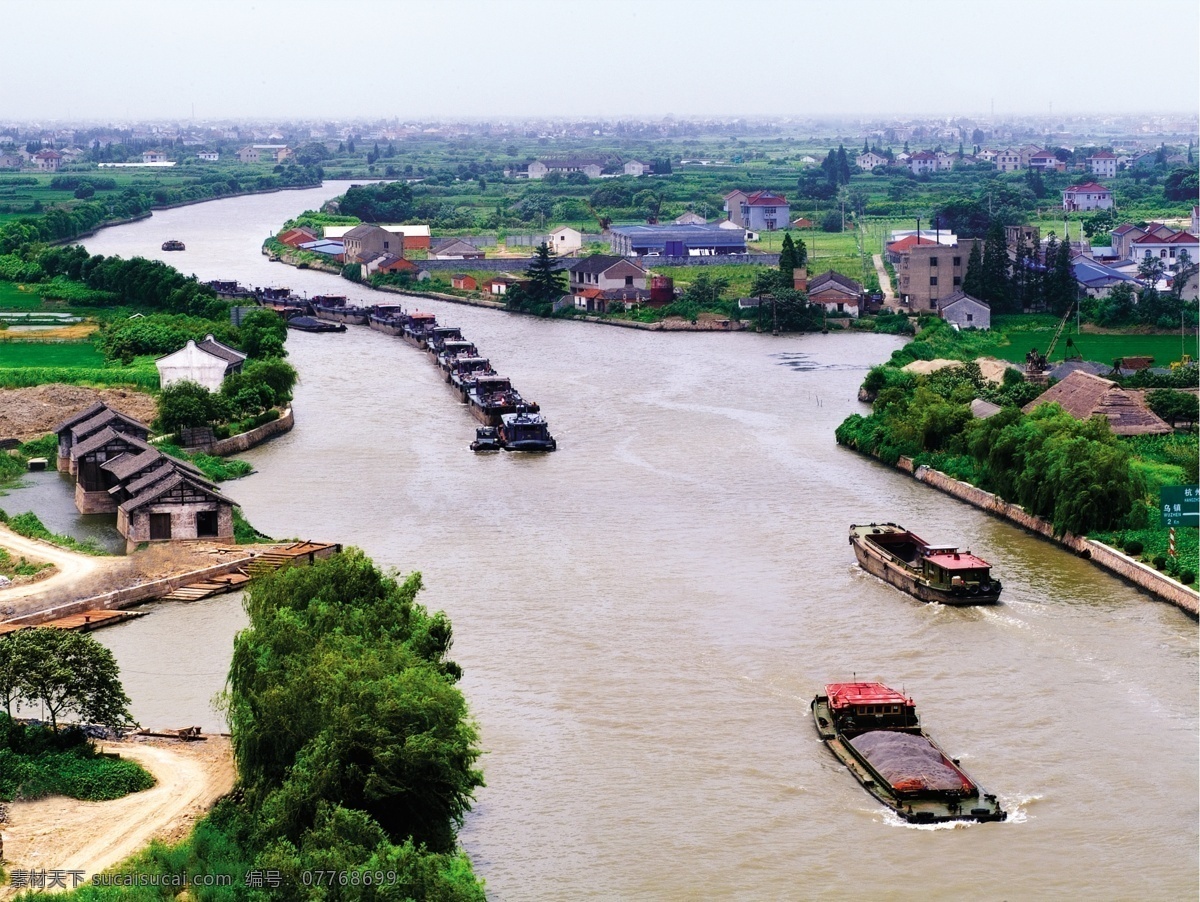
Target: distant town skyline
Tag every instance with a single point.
(137, 60)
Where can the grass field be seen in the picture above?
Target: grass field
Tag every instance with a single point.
(1101, 348)
(15, 296)
(52, 354)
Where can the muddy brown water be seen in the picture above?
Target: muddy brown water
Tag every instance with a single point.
(644, 616)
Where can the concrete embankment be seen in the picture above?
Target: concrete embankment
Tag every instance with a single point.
(1144, 577)
(244, 441)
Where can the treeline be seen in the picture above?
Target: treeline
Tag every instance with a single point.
(59, 223)
(1076, 474)
(138, 282)
(356, 755)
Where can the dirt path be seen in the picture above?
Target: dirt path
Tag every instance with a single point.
(70, 835)
(71, 567)
(885, 282)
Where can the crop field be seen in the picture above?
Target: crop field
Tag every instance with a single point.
(50, 354)
(15, 296)
(1100, 348)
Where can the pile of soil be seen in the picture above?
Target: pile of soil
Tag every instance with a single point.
(29, 413)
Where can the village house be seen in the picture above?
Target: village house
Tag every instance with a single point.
(870, 160)
(209, 156)
(1088, 196)
(174, 503)
(803, 223)
(1084, 395)
(295, 237)
(1045, 161)
(88, 460)
(264, 153)
(676, 240)
(1125, 234)
(47, 160)
(11, 161)
(499, 285)
(838, 294)
(896, 250)
(733, 207)
(365, 241)
(764, 210)
(206, 363)
(592, 168)
(455, 249)
(1096, 279)
(597, 281)
(565, 240)
(1104, 164)
(384, 262)
(88, 422)
(153, 156)
(930, 272)
(334, 249)
(1167, 248)
(463, 282)
(1008, 160)
(636, 168)
(965, 311)
(690, 218)
(416, 237)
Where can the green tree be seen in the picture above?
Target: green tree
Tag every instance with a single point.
(994, 271)
(546, 282)
(787, 256)
(67, 672)
(973, 278)
(341, 694)
(1173, 406)
(262, 334)
(187, 404)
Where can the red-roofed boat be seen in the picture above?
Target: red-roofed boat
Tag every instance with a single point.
(940, 573)
(875, 732)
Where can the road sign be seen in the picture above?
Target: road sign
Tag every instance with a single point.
(1180, 505)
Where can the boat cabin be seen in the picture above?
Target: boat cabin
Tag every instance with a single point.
(451, 349)
(861, 707)
(464, 365)
(946, 565)
(329, 300)
(439, 335)
(491, 385)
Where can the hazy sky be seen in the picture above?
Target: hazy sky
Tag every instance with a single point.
(101, 59)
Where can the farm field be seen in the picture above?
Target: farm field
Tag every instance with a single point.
(15, 296)
(1100, 348)
(50, 353)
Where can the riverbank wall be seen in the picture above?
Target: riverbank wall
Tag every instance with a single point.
(1141, 575)
(244, 441)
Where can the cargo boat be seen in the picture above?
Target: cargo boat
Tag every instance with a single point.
(333, 308)
(493, 396)
(388, 318)
(173, 244)
(526, 431)
(439, 335)
(938, 573)
(452, 350)
(487, 438)
(875, 732)
(312, 324)
(465, 371)
(419, 326)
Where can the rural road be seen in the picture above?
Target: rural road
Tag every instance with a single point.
(70, 835)
(71, 566)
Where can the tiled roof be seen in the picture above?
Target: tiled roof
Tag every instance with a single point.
(766, 199)
(1085, 187)
(957, 298)
(599, 263)
(226, 353)
(904, 244)
(101, 438)
(162, 486)
(1084, 395)
(828, 277)
(86, 414)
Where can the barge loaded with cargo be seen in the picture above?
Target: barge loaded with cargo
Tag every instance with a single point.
(939, 573)
(875, 732)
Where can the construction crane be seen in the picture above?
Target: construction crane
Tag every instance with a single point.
(1036, 364)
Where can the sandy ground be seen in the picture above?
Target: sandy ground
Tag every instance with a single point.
(29, 413)
(83, 575)
(71, 568)
(64, 833)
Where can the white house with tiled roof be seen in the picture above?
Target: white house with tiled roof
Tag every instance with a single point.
(1166, 248)
(1088, 196)
(1104, 164)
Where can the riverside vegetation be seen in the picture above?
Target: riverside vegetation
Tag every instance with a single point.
(1075, 474)
(354, 748)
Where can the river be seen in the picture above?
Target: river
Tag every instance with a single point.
(644, 615)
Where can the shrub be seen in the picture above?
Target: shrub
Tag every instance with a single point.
(1187, 577)
(1160, 562)
(1133, 548)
